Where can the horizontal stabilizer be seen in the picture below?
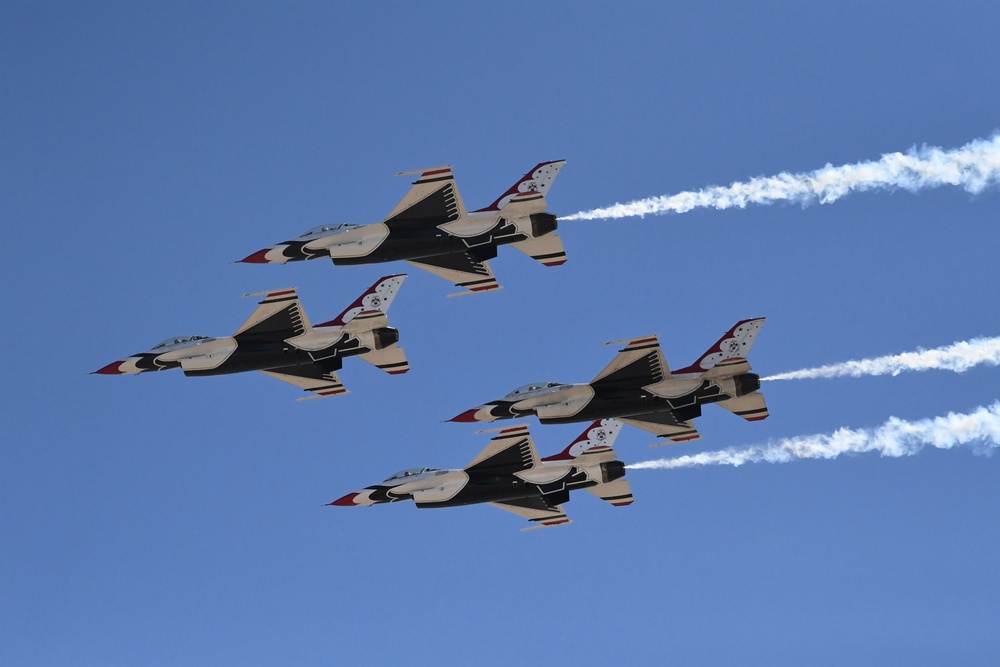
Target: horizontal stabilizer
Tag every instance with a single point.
(390, 359)
(617, 492)
(751, 407)
(510, 451)
(546, 249)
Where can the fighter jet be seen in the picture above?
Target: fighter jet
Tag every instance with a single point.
(508, 474)
(638, 388)
(431, 229)
(279, 341)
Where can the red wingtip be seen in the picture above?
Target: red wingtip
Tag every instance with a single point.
(346, 501)
(259, 257)
(114, 368)
(467, 416)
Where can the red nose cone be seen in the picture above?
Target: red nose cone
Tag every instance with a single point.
(110, 369)
(258, 257)
(467, 416)
(346, 501)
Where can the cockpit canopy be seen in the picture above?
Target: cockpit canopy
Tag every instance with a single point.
(329, 229)
(532, 388)
(409, 472)
(180, 340)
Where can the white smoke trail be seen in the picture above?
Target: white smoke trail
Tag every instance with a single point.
(974, 167)
(958, 357)
(894, 438)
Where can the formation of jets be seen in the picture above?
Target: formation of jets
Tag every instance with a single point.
(431, 229)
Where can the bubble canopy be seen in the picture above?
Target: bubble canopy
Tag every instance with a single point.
(328, 229)
(181, 340)
(409, 472)
(533, 387)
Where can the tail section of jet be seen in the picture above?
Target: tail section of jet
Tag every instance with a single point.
(371, 305)
(729, 351)
(591, 446)
(538, 180)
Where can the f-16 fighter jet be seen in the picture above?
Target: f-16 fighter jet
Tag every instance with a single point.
(278, 341)
(638, 388)
(431, 229)
(508, 474)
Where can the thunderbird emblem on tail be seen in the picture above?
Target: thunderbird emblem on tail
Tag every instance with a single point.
(638, 388)
(278, 340)
(508, 474)
(431, 229)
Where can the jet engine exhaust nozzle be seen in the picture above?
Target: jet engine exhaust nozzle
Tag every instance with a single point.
(543, 223)
(612, 470)
(385, 337)
(746, 383)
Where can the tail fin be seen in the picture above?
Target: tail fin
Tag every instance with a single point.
(278, 316)
(593, 445)
(510, 451)
(370, 308)
(734, 345)
(639, 364)
(538, 179)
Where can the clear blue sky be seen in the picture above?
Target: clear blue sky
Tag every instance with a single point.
(165, 520)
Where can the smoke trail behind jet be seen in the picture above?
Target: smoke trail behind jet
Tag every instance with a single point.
(958, 357)
(973, 167)
(894, 438)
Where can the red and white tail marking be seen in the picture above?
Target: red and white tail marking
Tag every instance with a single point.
(373, 303)
(734, 345)
(538, 179)
(598, 438)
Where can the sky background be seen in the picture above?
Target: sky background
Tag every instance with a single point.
(165, 520)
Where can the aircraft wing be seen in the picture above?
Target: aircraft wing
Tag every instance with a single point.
(462, 271)
(309, 378)
(536, 511)
(640, 363)
(279, 315)
(432, 200)
(664, 425)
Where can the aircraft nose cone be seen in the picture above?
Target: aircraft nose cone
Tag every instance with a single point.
(114, 368)
(471, 416)
(259, 257)
(346, 501)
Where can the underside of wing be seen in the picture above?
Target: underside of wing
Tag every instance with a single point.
(432, 200)
(664, 425)
(310, 378)
(460, 270)
(640, 363)
(536, 511)
(278, 316)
